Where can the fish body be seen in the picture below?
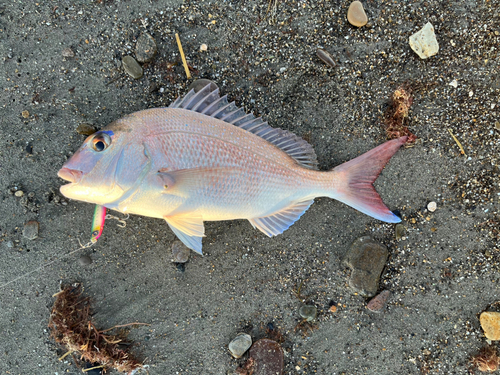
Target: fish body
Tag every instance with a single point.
(204, 159)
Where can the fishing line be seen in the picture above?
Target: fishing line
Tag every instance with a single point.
(97, 226)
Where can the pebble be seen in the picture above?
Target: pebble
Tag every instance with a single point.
(203, 48)
(68, 52)
(366, 258)
(19, 193)
(432, 206)
(25, 114)
(490, 323)
(132, 67)
(145, 48)
(377, 303)
(453, 83)
(268, 357)
(30, 230)
(240, 344)
(180, 252)
(400, 231)
(325, 57)
(424, 42)
(356, 14)
(497, 125)
(308, 312)
(85, 129)
(10, 244)
(85, 260)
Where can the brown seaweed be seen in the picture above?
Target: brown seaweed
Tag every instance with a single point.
(71, 325)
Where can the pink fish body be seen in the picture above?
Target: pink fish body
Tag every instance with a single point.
(203, 159)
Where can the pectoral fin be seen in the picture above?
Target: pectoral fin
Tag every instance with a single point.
(280, 221)
(189, 229)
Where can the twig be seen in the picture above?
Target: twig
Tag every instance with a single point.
(124, 325)
(184, 62)
(92, 368)
(458, 143)
(65, 354)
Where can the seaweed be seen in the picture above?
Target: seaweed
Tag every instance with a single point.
(396, 115)
(71, 325)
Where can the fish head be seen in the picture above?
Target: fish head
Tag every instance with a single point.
(93, 170)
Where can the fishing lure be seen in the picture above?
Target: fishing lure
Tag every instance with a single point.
(98, 223)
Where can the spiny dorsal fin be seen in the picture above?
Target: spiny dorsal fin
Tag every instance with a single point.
(207, 101)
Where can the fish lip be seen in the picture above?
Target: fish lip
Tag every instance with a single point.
(71, 175)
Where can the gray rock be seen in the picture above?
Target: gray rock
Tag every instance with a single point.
(308, 312)
(30, 230)
(240, 345)
(366, 258)
(10, 244)
(180, 252)
(85, 260)
(132, 67)
(145, 49)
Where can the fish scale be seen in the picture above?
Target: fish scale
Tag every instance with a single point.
(203, 159)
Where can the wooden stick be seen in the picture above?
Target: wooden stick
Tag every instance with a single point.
(93, 368)
(184, 62)
(124, 325)
(458, 143)
(66, 354)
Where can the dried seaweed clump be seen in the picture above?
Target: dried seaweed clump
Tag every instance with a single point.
(396, 115)
(71, 325)
(487, 359)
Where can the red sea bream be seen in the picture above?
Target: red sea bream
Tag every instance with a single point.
(204, 159)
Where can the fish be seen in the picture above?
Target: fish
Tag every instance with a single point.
(204, 159)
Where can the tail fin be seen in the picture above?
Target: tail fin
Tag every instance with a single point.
(356, 177)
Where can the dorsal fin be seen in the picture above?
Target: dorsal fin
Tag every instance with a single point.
(207, 100)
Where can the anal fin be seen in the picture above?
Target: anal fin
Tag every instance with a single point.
(280, 221)
(189, 229)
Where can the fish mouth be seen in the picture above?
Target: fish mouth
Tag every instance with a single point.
(71, 175)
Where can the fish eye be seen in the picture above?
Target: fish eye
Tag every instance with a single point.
(101, 142)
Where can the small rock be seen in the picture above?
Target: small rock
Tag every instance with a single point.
(85, 260)
(85, 129)
(25, 114)
(267, 358)
(30, 230)
(29, 148)
(453, 83)
(203, 48)
(400, 230)
(180, 252)
(240, 344)
(366, 258)
(132, 67)
(68, 52)
(308, 312)
(432, 206)
(19, 193)
(145, 49)
(325, 57)
(497, 125)
(424, 42)
(378, 302)
(356, 14)
(490, 322)
(10, 244)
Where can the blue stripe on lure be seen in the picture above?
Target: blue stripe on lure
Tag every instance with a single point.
(98, 223)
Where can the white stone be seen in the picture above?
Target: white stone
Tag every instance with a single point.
(432, 206)
(424, 42)
(240, 345)
(454, 83)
